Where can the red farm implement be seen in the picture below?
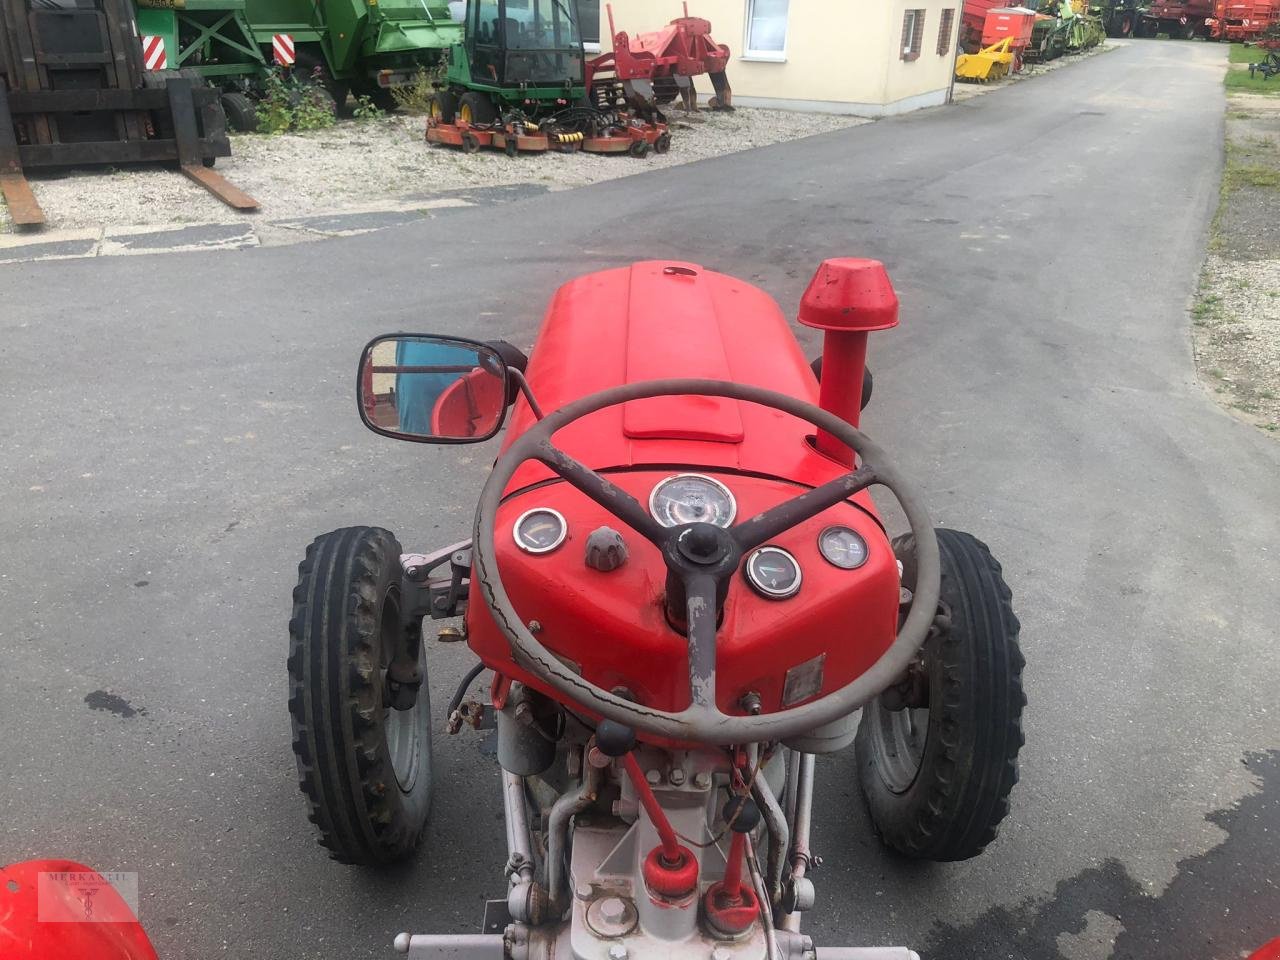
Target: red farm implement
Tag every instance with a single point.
(1245, 20)
(619, 134)
(658, 67)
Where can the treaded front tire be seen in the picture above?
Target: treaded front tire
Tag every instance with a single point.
(947, 803)
(364, 768)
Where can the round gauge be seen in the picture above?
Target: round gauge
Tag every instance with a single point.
(842, 547)
(774, 573)
(539, 530)
(692, 498)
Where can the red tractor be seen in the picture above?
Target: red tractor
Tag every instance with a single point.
(685, 597)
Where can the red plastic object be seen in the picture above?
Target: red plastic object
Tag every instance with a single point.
(729, 910)
(592, 338)
(670, 880)
(1268, 951)
(113, 933)
(848, 298)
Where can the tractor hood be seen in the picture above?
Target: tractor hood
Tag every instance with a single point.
(664, 319)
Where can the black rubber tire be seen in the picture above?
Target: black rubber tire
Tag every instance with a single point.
(345, 616)
(444, 106)
(639, 149)
(662, 144)
(480, 106)
(242, 116)
(952, 808)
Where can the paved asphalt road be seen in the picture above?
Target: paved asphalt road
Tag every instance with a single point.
(176, 429)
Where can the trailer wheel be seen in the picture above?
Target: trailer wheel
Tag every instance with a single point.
(936, 769)
(364, 767)
(476, 108)
(443, 106)
(240, 112)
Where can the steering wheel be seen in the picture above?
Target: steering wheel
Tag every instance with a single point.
(701, 560)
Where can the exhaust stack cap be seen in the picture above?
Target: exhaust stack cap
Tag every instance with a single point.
(850, 294)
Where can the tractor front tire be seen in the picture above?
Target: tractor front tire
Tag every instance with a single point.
(937, 778)
(443, 106)
(364, 767)
(476, 108)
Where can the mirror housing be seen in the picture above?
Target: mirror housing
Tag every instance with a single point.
(432, 389)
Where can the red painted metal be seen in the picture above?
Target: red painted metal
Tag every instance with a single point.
(973, 19)
(848, 298)
(683, 48)
(1016, 23)
(1268, 951)
(38, 919)
(732, 883)
(611, 625)
(1245, 20)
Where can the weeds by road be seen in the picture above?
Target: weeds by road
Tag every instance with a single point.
(1236, 314)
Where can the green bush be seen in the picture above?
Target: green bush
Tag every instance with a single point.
(292, 104)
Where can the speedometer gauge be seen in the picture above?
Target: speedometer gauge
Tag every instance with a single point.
(692, 498)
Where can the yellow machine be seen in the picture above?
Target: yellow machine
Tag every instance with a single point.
(989, 63)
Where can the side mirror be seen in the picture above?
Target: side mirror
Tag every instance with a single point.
(431, 389)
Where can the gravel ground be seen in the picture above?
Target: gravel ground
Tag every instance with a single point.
(1236, 316)
(967, 91)
(382, 164)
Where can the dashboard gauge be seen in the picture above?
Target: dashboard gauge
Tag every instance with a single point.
(773, 573)
(692, 498)
(539, 530)
(842, 547)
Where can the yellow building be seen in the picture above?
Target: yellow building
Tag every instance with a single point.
(866, 57)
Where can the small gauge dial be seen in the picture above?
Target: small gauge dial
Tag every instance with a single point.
(539, 530)
(692, 498)
(773, 573)
(842, 547)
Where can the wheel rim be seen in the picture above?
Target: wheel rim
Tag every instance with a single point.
(898, 743)
(436, 112)
(465, 112)
(401, 729)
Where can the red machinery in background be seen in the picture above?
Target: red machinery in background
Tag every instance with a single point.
(1012, 23)
(1244, 20)
(658, 67)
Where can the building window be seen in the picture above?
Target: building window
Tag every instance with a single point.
(912, 34)
(944, 32)
(766, 30)
(589, 22)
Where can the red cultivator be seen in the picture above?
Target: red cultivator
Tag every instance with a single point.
(657, 67)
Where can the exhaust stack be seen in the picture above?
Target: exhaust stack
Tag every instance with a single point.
(848, 297)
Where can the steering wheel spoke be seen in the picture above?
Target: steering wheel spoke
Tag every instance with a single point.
(609, 495)
(700, 619)
(765, 526)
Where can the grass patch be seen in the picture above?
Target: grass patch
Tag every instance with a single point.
(1239, 53)
(1256, 175)
(1239, 81)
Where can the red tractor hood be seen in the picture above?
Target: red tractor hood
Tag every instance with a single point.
(660, 319)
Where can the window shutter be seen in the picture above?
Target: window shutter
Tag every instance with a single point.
(944, 32)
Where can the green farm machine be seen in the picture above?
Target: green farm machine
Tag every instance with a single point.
(526, 57)
(365, 47)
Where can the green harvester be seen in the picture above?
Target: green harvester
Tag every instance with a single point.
(365, 47)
